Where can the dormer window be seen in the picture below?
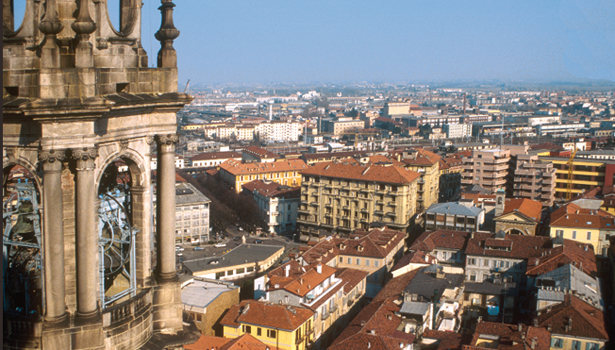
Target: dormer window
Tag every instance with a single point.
(342, 246)
(360, 248)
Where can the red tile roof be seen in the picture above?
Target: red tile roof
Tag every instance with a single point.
(428, 241)
(511, 338)
(574, 318)
(240, 168)
(266, 315)
(216, 155)
(421, 157)
(570, 252)
(272, 189)
(521, 247)
(527, 207)
(372, 173)
(417, 257)
(260, 152)
(572, 215)
(447, 340)
(244, 342)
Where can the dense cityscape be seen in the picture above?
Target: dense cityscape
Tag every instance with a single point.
(144, 212)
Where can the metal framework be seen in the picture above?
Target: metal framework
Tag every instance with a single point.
(116, 246)
(23, 264)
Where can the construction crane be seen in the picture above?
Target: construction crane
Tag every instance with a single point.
(356, 136)
(187, 85)
(570, 171)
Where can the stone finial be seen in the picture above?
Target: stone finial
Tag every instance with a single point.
(50, 26)
(84, 26)
(167, 56)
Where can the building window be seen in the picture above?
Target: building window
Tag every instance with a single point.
(242, 270)
(576, 345)
(376, 263)
(473, 277)
(247, 329)
(349, 260)
(229, 272)
(219, 274)
(366, 262)
(559, 233)
(589, 235)
(471, 261)
(258, 331)
(271, 333)
(358, 261)
(250, 269)
(592, 346)
(574, 234)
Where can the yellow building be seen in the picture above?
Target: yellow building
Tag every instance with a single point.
(285, 327)
(427, 164)
(584, 225)
(587, 174)
(284, 172)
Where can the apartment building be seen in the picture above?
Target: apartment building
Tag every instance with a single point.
(588, 226)
(492, 335)
(278, 131)
(486, 168)
(277, 204)
(334, 295)
(559, 129)
(445, 245)
(427, 165)
(431, 120)
(457, 131)
(534, 179)
(375, 251)
(342, 196)
(285, 172)
(586, 174)
(394, 108)
(213, 159)
(450, 177)
(282, 327)
(206, 300)
(341, 126)
(256, 154)
(454, 216)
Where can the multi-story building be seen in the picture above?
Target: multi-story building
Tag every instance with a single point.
(341, 196)
(445, 245)
(534, 179)
(589, 226)
(213, 159)
(394, 108)
(374, 251)
(206, 300)
(341, 126)
(454, 216)
(431, 120)
(427, 165)
(517, 215)
(586, 174)
(191, 214)
(574, 325)
(457, 131)
(450, 177)
(284, 172)
(559, 129)
(333, 294)
(278, 131)
(278, 204)
(256, 154)
(486, 168)
(284, 327)
(492, 335)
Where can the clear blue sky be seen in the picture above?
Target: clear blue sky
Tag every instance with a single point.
(248, 41)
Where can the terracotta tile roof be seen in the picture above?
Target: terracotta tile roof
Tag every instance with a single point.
(370, 341)
(452, 162)
(417, 257)
(394, 287)
(511, 338)
(260, 152)
(546, 146)
(572, 215)
(587, 321)
(527, 207)
(266, 315)
(570, 252)
(239, 168)
(521, 247)
(448, 340)
(243, 342)
(377, 243)
(332, 155)
(373, 173)
(272, 189)
(351, 278)
(216, 155)
(428, 241)
(421, 157)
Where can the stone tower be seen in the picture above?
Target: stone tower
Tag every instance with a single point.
(83, 115)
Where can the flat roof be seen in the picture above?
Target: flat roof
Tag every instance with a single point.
(242, 254)
(201, 292)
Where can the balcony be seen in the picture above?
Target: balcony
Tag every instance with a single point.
(325, 315)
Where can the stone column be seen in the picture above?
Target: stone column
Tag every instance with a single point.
(53, 230)
(165, 208)
(86, 237)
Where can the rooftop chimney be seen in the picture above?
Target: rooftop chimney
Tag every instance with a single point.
(287, 268)
(533, 346)
(319, 268)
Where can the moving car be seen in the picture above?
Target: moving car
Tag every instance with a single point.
(199, 248)
(258, 241)
(220, 245)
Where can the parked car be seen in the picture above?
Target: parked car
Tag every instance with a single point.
(180, 254)
(179, 249)
(240, 228)
(258, 241)
(199, 248)
(220, 245)
(237, 238)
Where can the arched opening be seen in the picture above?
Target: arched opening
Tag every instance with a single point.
(22, 240)
(116, 241)
(515, 231)
(122, 15)
(13, 15)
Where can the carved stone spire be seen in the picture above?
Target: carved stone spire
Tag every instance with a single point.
(50, 26)
(167, 56)
(84, 26)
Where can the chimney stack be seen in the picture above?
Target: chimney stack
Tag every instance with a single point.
(533, 346)
(319, 268)
(287, 268)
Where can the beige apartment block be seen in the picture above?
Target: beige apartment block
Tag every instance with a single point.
(342, 196)
(427, 164)
(486, 168)
(534, 179)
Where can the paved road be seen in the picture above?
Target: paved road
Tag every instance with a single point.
(231, 242)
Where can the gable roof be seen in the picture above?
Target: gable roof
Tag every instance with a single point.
(520, 247)
(454, 208)
(574, 318)
(510, 337)
(240, 168)
(428, 241)
(243, 342)
(266, 315)
(572, 215)
(530, 208)
(570, 252)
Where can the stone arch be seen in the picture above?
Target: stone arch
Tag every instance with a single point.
(22, 246)
(129, 15)
(515, 231)
(8, 16)
(135, 166)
